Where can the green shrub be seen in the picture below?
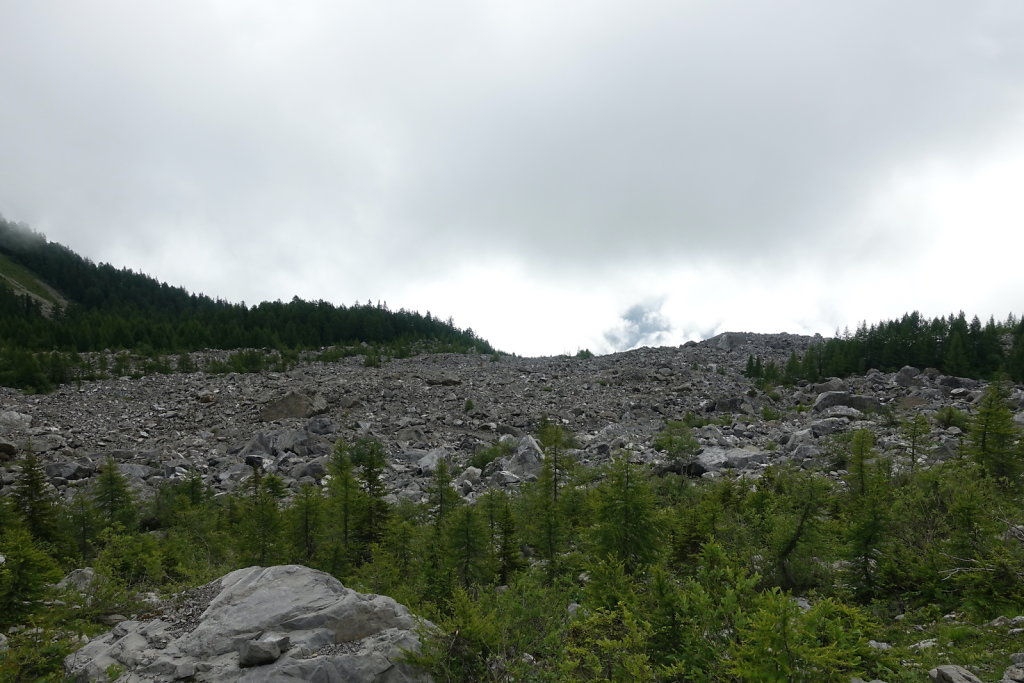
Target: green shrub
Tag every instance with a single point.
(677, 440)
(485, 456)
(780, 642)
(948, 416)
(24, 574)
(371, 359)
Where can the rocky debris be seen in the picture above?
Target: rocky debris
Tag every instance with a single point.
(164, 428)
(1013, 674)
(716, 459)
(951, 673)
(261, 624)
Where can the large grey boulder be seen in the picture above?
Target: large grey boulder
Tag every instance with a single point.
(68, 469)
(11, 420)
(8, 449)
(527, 459)
(427, 465)
(259, 652)
(80, 580)
(262, 624)
(908, 377)
(829, 399)
(716, 459)
(293, 404)
(829, 425)
(952, 673)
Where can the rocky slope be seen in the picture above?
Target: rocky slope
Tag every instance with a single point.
(160, 427)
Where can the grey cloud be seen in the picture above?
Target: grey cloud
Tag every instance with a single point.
(575, 140)
(641, 325)
(667, 132)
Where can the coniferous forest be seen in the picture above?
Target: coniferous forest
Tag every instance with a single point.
(120, 310)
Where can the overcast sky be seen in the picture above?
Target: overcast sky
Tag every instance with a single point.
(555, 175)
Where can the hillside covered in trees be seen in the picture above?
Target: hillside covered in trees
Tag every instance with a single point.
(117, 309)
(951, 345)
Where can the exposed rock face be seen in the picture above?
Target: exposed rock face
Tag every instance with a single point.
(262, 624)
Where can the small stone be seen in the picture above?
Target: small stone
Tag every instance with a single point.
(258, 653)
(184, 670)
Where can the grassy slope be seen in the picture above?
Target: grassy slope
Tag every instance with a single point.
(23, 281)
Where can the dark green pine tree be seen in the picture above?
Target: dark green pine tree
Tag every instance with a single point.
(24, 574)
(793, 371)
(467, 546)
(506, 547)
(369, 455)
(627, 528)
(668, 617)
(33, 501)
(304, 524)
(112, 497)
(339, 548)
(83, 525)
(442, 497)
(261, 522)
(810, 365)
(867, 512)
(543, 521)
(1015, 360)
(556, 441)
(8, 517)
(993, 436)
(916, 431)
(956, 361)
(791, 514)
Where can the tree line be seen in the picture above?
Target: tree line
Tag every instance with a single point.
(951, 345)
(118, 309)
